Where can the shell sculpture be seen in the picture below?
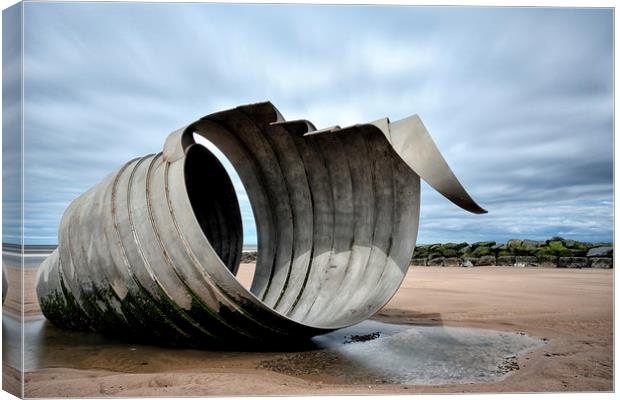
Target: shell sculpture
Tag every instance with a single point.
(150, 253)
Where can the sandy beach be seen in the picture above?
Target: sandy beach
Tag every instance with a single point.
(572, 310)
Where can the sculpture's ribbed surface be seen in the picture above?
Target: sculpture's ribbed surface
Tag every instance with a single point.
(151, 251)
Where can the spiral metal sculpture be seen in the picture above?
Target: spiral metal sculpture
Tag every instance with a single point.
(151, 252)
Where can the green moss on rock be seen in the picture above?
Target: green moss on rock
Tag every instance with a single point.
(514, 244)
(482, 244)
(465, 251)
(557, 247)
(450, 252)
(544, 251)
(481, 251)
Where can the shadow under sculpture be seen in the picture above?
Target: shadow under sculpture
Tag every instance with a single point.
(150, 252)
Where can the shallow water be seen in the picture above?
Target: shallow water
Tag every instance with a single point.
(368, 353)
(427, 355)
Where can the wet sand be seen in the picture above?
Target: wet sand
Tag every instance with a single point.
(571, 309)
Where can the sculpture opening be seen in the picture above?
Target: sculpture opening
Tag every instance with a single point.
(214, 202)
(248, 222)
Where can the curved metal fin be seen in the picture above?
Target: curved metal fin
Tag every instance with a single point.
(415, 146)
(176, 143)
(297, 127)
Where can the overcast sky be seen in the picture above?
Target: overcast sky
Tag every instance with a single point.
(519, 100)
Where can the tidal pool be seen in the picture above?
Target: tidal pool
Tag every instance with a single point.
(368, 353)
(416, 355)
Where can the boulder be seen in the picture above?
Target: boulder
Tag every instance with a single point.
(449, 252)
(544, 251)
(434, 247)
(504, 252)
(506, 261)
(601, 262)
(513, 244)
(420, 253)
(556, 239)
(486, 261)
(573, 262)
(465, 250)
(577, 252)
(526, 261)
(601, 251)
(522, 247)
(531, 243)
(473, 260)
(498, 246)
(451, 245)
(467, 264)
(423, 247)
(418, 261)
(451, 262)
(574, 244)
(558, 248)
(481, 251)
(529, 247)
(248, 257)
(570, 243)
(547, 261)
(485, 244)
(434, 255)
(435, 262)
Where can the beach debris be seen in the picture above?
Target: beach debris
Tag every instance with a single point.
(510, 364)
(150, 253)
(362, 338)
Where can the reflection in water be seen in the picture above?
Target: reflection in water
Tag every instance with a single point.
(370, 352)
(434, 355)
